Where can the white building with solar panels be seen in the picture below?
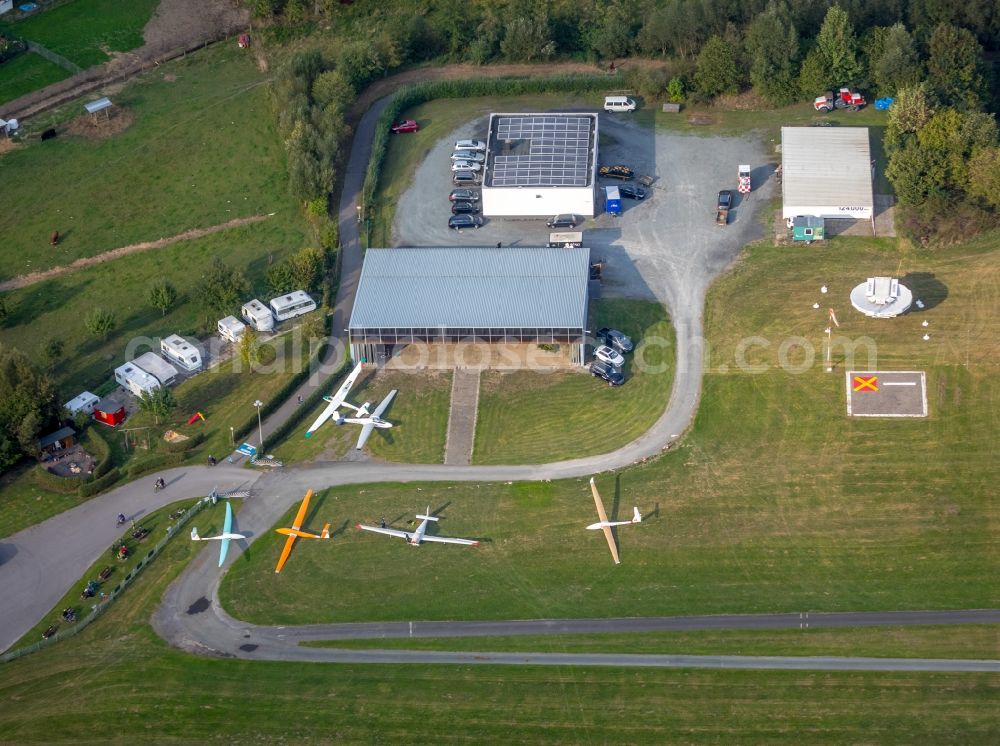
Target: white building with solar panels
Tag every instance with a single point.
(451, 296)
(540, 165)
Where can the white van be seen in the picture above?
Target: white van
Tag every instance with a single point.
(257, 315)
(618, 103)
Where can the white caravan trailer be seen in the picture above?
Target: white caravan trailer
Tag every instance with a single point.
(258, 315)
(85, 402)
(155, 365)
(292, 304)
(135, 379)
(231, 328)
(180, 352)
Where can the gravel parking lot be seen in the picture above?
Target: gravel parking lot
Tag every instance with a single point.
(666, 247)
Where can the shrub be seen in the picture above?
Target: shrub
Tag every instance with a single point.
(88, 489)
(49, 481)
(153, 462)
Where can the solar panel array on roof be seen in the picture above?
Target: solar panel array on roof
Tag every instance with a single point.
(558, 152)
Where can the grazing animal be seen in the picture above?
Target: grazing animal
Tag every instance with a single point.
(55, 238)
(49, 133)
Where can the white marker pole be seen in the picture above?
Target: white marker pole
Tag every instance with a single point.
(829, 347)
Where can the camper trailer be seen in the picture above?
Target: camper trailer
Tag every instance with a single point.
(135, 379)
(181, 352)
(257, 315)
(85, 402)
(292, 304)
(156, 366)
(231, 329)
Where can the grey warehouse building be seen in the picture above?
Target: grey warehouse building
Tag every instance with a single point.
(458, 295)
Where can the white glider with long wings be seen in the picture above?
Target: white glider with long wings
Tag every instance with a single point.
(335, 401)
(415, 537)
(606, 525)
(361, 414)
(226, 535)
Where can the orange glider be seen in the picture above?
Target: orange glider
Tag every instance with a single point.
(296, 532)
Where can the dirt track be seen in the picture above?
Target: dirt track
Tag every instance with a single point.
(22, 281)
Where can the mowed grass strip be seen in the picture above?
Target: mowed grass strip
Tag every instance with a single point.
(776, 501)
(86, 32)
(26, 73)
(202, 151)
(970, 641)
(418, 413)
(535, 417)
(168, 694)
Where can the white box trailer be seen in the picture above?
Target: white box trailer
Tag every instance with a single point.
(135, 379)
(156, 366)
(231, 328)
(179, 351)
(257, 315)
(85, 402)
(292, 304)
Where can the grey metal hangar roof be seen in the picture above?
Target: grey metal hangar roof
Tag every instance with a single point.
(472, 287)
(541, 150)
(827, 170)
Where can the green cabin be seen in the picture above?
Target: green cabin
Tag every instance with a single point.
(807, 228)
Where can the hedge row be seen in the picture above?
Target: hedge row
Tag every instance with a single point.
(104, 457)
(154, 462)
(88, 489)
(49, 481)
(283, 393)
(407, 98)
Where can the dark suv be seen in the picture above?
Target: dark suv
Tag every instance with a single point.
(457, 222)
(463, 207)
(614, 338)
(562, 221)
(608, 372)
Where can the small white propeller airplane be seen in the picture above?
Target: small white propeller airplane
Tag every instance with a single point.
(226, 536)
(415, 537)
(606, 525)
(362, 417)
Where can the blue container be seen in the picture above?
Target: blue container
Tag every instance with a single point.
(612, 201)
(884, 103)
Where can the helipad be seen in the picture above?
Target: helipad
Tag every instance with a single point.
(886, 393)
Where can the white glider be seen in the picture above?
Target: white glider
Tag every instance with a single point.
(226, 536)
(415, 537)
(335, 401)
(361, 414)
(606, 525)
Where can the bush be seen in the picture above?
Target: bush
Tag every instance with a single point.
(153, 463)
(88, 489)
(49, 481)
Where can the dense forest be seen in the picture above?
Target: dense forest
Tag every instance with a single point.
(932, 56)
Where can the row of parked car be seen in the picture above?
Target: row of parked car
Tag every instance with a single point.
(466, 168)
(611, 356)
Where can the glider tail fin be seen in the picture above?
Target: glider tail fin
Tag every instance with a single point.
(636, 516)
(325, 534)
(194, 534)
(428, 516)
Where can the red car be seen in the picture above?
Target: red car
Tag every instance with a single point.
(407, 125)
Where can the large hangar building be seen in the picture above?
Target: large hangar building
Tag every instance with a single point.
(540, 165)
(446, 298)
